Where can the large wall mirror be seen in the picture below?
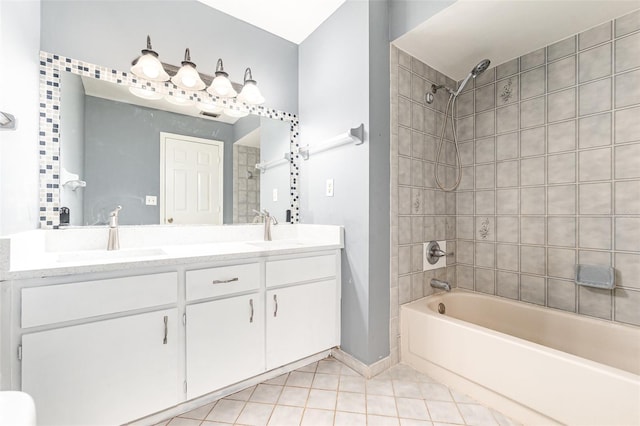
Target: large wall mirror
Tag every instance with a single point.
(103, 146)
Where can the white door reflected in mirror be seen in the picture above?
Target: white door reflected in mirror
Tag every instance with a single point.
(191, 180)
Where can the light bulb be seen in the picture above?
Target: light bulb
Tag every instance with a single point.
(250, 94)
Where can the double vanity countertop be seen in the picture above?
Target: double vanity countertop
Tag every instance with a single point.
(48, 253)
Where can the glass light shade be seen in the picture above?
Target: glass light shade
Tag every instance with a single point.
(145, 93)
(179, 101)
(211, 107)
(188, 78)
(250, 94)
(221, 86)
(148, 66)
(235, 113)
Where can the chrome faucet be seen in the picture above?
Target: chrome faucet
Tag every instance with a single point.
(267, 218)
(114, 241)
(442, 285)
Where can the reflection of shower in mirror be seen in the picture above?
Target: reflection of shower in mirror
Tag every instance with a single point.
(249, 174)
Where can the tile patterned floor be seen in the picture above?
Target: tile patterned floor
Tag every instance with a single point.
(330, 393)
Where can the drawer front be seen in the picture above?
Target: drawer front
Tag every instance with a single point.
(291, 271)
(214, 282)
(66, 302)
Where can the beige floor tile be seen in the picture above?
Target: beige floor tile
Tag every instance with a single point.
(349, 419)
(315, 417)
(285, 416)
(381, 405)
(351, 402)
(255, 414)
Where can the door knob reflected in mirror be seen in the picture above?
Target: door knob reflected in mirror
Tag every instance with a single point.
(170, 220)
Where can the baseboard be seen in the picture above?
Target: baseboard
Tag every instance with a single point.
(366, 371)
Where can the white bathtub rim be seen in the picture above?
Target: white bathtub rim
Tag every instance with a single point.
(537, 347)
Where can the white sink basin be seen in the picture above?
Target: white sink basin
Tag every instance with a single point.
(101, 255)
(275, 244)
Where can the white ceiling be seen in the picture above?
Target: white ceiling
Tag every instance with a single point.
(456, 39)
(292, 20)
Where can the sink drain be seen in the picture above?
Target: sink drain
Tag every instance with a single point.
(441, 308)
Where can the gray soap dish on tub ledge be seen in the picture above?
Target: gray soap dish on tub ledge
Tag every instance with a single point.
(595, 276)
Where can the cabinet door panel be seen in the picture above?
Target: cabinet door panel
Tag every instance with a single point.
(305, 321)
(107, 372)
(223, 345)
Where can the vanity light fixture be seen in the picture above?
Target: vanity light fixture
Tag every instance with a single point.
(235, 113)
(145, 93)
(221, 85)
(187, 77)
(250, 94)
(148, 65)
(211, 107)
(7, 121)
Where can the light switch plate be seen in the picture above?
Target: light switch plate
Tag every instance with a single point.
(275, 194)
(151, 200)
(329, 191)
(441, 263)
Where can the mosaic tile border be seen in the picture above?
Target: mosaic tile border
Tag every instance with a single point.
(49, 135)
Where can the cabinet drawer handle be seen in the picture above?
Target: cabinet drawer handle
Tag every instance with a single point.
(275, 311)
(166, 330)
(230, 280)
(251, 304)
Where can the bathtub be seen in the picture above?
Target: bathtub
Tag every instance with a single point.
(534, 364)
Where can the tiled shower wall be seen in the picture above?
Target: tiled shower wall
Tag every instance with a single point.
(246, 183)
(550, 146)
(419, 212)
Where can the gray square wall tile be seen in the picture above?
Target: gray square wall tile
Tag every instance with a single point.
(595, 63)
(485, 97)
(561, 200)
(508, 172)
(561, 231)
(627, 270)
(533, 260)
(532, 200)
(533, 59)
(628, 89)
(485, 150)
(507, 146)
(595, 130)
(507, 90)
(507, 285)
(485, 176)
(532, 83)
(627, 306)
(532, 141)
(532, 230)
(532, 112)
(562, 105)
(628, 52)
(628, 23)
(507, 118)
(595, 232)
(627, 161)
(561, 295)
(595, 198)
(562, 137)
(595, 164)
(595, 97)
(532, 171)
(489, 76)
(561, 262)
(507, 229)
(485, 124)
(532, 289)
(627, 198)
(508, 257)
(628, 233)
(507, 201)
(627, 125)
(595, 36)
(561, 74)
(594, 302)
(561, 168)
(562, 48)
(508, 68)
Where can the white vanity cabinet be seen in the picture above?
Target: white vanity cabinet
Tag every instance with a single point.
(303, 300)
(225, 337)
(105, 372)
(83, 368)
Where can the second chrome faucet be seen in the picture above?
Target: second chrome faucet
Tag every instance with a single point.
(268, 219)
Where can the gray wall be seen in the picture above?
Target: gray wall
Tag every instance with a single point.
(122, 162)
(72, 150)
(328, 109)
(112, 33)
(405, 15)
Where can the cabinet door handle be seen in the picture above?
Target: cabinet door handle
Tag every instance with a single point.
(166, 330)
(251, 304)
(230, 280)
(275, 310)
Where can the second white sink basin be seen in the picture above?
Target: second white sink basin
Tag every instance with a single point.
(100, 255)
(282, 244)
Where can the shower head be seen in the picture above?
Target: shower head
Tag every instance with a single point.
(475, 71)
(480, 68)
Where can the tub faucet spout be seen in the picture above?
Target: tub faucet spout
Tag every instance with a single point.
(442, 285)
